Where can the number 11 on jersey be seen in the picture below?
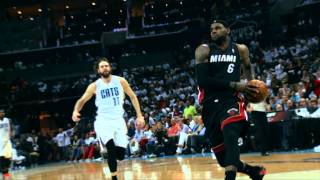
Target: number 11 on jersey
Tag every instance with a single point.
(116, 101)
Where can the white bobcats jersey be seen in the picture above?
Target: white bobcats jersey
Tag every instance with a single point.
(5, 143)
(109, 99)
(4, 130)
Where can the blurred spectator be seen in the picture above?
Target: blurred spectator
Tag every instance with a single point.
(183, 136)
(76, 148)
(196, 140)
(190, 109)
(63, 141)
(89, 147)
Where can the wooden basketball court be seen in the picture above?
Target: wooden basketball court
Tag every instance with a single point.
(280, 166)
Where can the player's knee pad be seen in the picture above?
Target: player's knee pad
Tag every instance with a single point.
(120, 152)
(111, 148)
(5, 165)
(5, 170)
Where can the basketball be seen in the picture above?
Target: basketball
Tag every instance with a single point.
(263, 92)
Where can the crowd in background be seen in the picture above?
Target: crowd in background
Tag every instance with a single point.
(168, 97)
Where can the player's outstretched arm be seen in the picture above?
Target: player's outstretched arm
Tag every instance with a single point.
(81, 102)
(135, 102)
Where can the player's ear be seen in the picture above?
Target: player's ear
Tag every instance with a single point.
(228, 30)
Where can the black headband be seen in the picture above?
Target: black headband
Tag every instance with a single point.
(225, 24)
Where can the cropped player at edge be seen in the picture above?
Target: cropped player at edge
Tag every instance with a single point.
(218, 67)
(5, 146)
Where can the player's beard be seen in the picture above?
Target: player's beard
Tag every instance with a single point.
(105, 74)
(220, 40)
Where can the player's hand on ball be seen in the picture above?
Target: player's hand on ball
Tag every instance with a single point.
(76, 116)
(140, 122)
(246, 87)
(262, 94)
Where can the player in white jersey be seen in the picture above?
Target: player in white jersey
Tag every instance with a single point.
(109, 125)
(5, 145)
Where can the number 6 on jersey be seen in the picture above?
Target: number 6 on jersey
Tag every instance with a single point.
(230, 68)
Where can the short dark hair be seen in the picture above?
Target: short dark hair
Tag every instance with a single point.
(99, 60)
(314, 100)
(224, 23)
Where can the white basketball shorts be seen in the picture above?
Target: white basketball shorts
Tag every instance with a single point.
(111, 129)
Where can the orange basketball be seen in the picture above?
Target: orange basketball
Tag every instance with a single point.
(263, 92)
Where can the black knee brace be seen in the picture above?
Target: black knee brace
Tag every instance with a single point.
(120, 152)
(4, 165)
(112, 162)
